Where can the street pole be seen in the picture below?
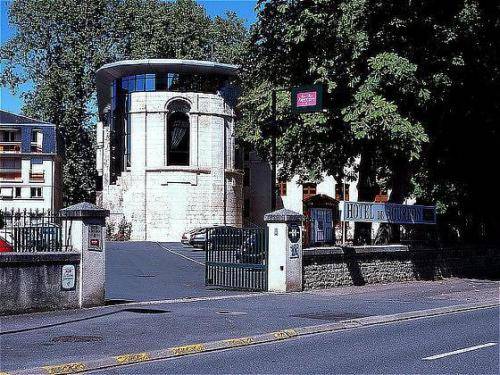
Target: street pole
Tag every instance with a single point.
(273, 151)
(343, 226)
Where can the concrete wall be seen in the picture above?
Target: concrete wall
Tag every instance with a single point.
(331, 267)
(32, 282)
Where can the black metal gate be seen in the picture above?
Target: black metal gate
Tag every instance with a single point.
(33, 231)
(236, 258)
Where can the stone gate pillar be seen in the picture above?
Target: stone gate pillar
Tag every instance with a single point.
(84, 225)
(285, 251)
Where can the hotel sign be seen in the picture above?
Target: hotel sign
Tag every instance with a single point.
(307, 98)
(392, 213)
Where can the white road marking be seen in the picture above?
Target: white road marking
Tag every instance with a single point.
(181, 255)
(459, 351)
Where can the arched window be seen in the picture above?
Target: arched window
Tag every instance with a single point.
(178, 139)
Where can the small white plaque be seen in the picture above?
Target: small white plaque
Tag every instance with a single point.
(68, 277)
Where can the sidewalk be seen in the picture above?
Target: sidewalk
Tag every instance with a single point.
(57, 337)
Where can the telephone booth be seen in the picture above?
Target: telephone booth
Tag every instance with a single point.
(321, 215)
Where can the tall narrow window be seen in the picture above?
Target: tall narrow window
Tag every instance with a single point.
(178, 139)
(342, 191)
(282, 187)
(36, 140)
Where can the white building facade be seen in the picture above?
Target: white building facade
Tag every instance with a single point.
(166, 146)
(29, 165)
(318, 201)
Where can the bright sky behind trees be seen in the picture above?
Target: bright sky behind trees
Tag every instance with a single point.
(12, 102)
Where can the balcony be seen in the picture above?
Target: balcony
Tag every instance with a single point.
(10, 147)
(37, 176)
(10, 175)
(36, 147)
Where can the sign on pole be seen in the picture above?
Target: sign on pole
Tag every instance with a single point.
(307, 99)
(392, 213)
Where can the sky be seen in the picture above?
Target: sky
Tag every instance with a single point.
(13, 103)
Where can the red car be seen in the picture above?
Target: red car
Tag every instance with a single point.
(5, 247)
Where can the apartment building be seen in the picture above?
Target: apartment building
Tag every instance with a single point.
(29, 165)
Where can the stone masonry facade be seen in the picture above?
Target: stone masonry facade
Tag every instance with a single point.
(161, 202)
(333, 267)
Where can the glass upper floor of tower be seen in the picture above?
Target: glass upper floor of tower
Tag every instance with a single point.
(129, 76)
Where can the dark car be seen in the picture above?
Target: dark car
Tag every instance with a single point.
(199, 238)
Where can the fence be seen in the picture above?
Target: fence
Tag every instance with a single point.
(34, 230)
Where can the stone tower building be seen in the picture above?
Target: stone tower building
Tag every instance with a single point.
(166, 146)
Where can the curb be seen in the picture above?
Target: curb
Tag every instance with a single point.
(177, 351)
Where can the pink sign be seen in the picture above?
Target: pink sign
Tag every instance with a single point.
(306, 99)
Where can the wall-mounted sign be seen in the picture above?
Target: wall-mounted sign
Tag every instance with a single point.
(294, 233)
(68, 277)
(294, 237)
(369, 212)
(307, 98)
(95, 238)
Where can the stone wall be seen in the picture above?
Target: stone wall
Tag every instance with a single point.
(32, 282)
(336, 266)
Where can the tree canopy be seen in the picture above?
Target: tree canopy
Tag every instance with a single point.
(405, 81)
(58, 46)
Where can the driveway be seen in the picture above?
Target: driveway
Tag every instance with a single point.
(146, 271)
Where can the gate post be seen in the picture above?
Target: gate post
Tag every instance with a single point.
(85, 226)
(284, 269)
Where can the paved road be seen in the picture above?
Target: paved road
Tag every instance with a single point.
(145, 271)
(32, 340)
(394, 348)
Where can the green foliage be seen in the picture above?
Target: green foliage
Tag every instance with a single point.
(120, 232)
(413, 92)
(58, 45)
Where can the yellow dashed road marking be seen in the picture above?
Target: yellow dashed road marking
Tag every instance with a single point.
(242, 341)
(187, 349)
(285, 334)
(133, 358)
(66, 368)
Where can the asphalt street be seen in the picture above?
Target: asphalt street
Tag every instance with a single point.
(394, 348)
(182, 311)
(145, 271)
(32, 340)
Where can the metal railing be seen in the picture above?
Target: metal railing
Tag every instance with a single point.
(10, 175)
(11, 147)
(37, 176)
(34, 230)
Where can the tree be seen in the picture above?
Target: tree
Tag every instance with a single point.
(398, 75)
(370, 89)
(59, 45)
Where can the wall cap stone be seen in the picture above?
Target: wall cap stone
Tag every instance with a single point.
(283, 216)
(83, 209)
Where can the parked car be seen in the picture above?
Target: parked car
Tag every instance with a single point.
(199, 237)
(186, 237)
(5, 247)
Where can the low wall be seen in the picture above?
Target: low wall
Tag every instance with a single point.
(341, 266)
(32, 282)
